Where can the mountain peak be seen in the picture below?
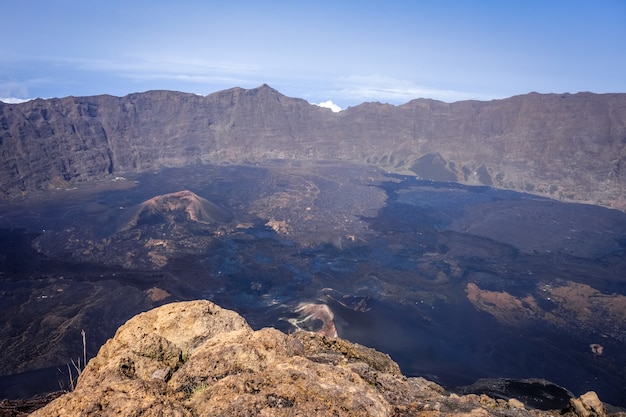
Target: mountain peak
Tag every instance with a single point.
(265, 89)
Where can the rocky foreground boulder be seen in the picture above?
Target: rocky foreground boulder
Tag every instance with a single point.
(197, 359)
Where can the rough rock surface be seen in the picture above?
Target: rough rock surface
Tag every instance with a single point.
(566, 146)
(195, 358)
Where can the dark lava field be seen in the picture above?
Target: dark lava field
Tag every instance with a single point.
(455, 283)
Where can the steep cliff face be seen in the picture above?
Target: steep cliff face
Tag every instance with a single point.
(195, 358)
(566, 146)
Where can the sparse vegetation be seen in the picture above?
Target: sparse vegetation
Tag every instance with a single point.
(199, 388)
(77, 365)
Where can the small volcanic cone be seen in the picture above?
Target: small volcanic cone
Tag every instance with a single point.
(181, 205)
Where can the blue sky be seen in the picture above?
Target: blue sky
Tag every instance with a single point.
(345, 51)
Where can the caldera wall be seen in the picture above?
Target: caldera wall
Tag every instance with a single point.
(570, 147)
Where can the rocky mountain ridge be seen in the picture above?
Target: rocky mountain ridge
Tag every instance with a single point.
(565, 146)
(195, 358)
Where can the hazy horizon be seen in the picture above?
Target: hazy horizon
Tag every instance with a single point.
(344, 53)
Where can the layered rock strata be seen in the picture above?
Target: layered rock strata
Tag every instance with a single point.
(570, 147)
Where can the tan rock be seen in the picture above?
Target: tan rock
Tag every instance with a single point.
(587, 405)
(197, 359)
(478, 412)
(515, 403)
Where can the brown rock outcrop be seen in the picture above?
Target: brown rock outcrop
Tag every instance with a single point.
(588, 405)
(566, 146)
(195, 358)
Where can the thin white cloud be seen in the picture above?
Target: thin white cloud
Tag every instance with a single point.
(14, 100)
(328, 104)
(148, 68)
(165, 71)
(362, 88)
(202, 75)
(13, 92)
